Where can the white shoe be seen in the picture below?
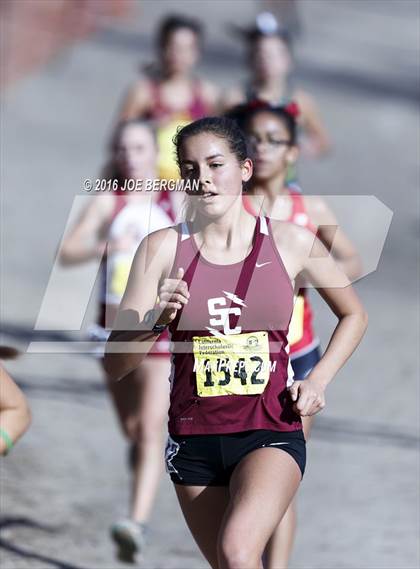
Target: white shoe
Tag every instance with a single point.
(130, 539)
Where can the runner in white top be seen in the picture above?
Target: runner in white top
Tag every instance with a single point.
(117, 222)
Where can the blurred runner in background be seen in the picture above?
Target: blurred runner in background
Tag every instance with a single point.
(117, 222)
(270, 63)
(170, 93)
(286, 13)
(15, 414)
(271, 132)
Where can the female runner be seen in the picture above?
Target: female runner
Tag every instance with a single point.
(236, 451)
(271, 132)
(169, 93)
(270, 62)
(117, 222)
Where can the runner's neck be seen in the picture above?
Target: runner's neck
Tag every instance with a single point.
(271, 188)
(275, 87)
(265, 195)
(175, 78)
(229, 229)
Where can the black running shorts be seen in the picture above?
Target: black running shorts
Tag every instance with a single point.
(209, 460)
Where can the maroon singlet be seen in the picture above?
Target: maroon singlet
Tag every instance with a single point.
(255, 295)
(308, 341)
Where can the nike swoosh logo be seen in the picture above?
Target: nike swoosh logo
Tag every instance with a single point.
(259, 265)
(274, 444)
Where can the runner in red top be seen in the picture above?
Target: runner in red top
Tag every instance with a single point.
(270, 62)
(118, 221)
(240, 479)
(271, 132)
(169, 93)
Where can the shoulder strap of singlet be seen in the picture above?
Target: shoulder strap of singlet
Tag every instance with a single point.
(248, 204)
(198, 107)
(248, 267)
(157, 107)
(299, 210)
(298, 205)
(183, 236)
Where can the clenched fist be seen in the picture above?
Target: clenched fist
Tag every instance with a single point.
(308, 396)
(173, 295)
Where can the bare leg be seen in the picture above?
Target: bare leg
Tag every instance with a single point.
(262, 487)
(152, 413)
(141, 400)
(203, 508)
(279, 548)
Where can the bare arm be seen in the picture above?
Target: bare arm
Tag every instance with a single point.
(309, 257)
(132, 336)
(333, 237)
(313, 126)
(15, 415)
(85, 241)
(136, 102)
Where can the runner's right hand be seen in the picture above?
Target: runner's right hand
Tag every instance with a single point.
(173, 295)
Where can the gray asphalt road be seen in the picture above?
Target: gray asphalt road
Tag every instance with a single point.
(66, 481)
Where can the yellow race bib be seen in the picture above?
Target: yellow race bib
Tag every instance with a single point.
(238, 364)
(167, 166)
(119, 278)
(296, 323)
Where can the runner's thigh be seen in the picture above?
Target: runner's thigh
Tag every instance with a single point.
(203, 508)
(262, 487)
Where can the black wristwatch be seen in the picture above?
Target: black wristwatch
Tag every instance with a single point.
(159, 328)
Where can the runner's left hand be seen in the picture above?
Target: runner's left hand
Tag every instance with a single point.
(308, 396)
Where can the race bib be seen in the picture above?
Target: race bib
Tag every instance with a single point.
(296, 323)
(238, 364)
(119, 277)
(167, 165)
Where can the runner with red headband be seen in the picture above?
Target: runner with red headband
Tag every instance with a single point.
(272, 137)
(270, 63)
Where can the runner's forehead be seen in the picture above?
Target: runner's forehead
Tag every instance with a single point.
(203, 146)
(211, 157)
(135, 134)
(267, 122)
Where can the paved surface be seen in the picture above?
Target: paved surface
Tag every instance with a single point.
(66, 481)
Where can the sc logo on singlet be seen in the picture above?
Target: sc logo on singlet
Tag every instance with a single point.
(217, 308)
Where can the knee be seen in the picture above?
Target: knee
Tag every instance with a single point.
(149, 430)
(236, 553)
(144, 430)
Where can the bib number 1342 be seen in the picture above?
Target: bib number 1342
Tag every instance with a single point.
(231, 365)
